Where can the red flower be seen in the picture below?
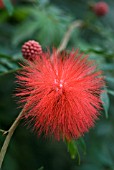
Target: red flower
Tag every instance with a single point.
(62, 94)
(101, 8)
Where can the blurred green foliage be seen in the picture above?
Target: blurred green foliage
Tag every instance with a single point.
(47, 21)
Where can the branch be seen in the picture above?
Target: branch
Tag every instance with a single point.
(64, 42)
(9, 72)
(2, 131)
(8, 137)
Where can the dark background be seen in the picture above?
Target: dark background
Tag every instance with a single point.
(46, 21)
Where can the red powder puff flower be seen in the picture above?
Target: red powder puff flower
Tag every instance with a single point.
(62, 94)
(101, 8)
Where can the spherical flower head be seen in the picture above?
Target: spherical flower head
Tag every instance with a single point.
(101, 8)
(31, 50)
(61, 94)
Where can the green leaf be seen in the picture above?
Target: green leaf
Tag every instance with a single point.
(107, 67)
(110, 92)
(23, 32)
(50, 23)
(82, 144)
(8, 64)
(73, 149)
(41, 168)
(105, 102)
(8, 6)
(109, 79)
(42, 2)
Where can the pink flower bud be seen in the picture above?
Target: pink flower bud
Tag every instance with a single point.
(101, 8)
(31, 50)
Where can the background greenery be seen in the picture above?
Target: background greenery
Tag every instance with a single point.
(46, 21)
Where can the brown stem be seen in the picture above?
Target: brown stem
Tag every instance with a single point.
(64, 42)
(8, 138)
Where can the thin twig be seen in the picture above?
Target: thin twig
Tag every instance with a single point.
(10, 71)
(8, 137)
(3, 131)
(64, 42)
